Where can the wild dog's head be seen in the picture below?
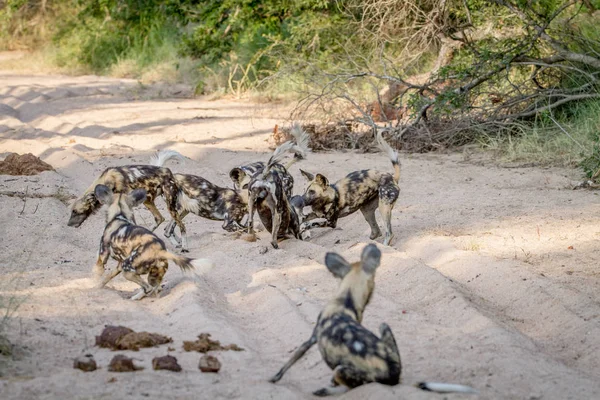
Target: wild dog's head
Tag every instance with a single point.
(318, 188)
(358, 279)
(82, 208)
(119, 203)
(241, 181)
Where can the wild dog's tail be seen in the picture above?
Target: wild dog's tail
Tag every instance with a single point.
(200, 265)
(445, 387)
(160, 158)
(298, 146)
(392, 154)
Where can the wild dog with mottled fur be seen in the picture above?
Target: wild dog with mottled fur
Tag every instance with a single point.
(355, 355)
(205, 199)
(364, 190)
(269, 195)
(137, 250)
(156, 181)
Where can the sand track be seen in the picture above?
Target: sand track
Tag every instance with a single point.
(480, 285)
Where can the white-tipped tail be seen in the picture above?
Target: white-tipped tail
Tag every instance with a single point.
(445, 387)
(160, 158)
(298, 146)
(302, 139)
(202, 265)
(392, 154)
(386, 148)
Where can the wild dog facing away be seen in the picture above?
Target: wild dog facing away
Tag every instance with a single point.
(137, 250)
(355, 354)
(156, 181)
(199, 196)
(364, 190)
(269, 193)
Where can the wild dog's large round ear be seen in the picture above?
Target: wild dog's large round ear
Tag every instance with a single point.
(103, 194)
(337, 265)
(136, 197)
(321, 180)
(236, 175)
(370, 258)
(307, 175)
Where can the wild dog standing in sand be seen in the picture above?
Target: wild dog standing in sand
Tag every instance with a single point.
(137, 250)
(364, 190)
(267, 192)
(205, 199)
(154, 180)
(354, 353)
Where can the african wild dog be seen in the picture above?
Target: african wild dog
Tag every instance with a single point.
(355, 355)
(154, 180)
(269, 192)
(205, 199)
(137, 250)
(364, 190)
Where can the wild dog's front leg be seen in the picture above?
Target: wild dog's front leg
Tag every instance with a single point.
(275, 219)
(297, 355)
(251, 200)
(103, 254)
(110, 276)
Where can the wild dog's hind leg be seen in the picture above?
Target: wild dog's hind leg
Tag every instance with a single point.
(170, 193)
(387, 337)
(297, 355)
(134, 277)
(388, 194)
(346, 377)
(368, 211)
(158, 218)
(170, 229)
(155, 277)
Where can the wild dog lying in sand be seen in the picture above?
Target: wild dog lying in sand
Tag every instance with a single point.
(354, 353)
(154, 180)
(137, 250)
(364, 190)
(205, 199)
(267, 192)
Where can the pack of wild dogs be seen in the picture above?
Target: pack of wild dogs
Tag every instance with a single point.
(356, 355)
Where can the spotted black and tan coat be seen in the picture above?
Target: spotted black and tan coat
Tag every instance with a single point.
(136, 249)
(155, 180)
(364, 190)
(356, 355)
(270, 190)
(201, 197)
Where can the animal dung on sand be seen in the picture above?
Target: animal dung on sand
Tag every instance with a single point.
(209, 364)
(85, 363)
(205, 344)
(123, 338)
(167, 362)
(121, 363)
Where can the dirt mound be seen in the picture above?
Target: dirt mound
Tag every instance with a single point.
(26, 164)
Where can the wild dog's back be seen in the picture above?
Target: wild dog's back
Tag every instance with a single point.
(355, 354)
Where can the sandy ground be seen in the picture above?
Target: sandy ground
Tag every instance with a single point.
(492, 279)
